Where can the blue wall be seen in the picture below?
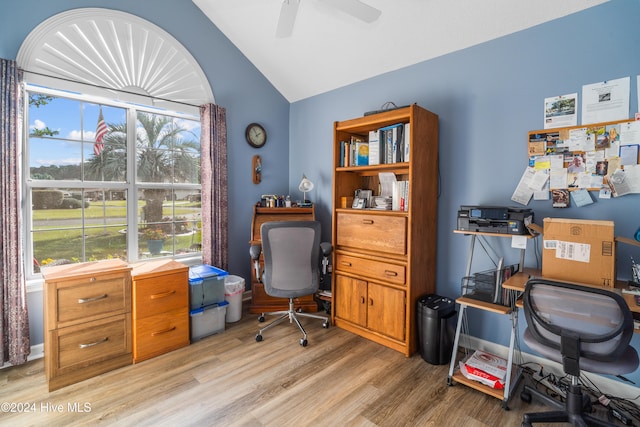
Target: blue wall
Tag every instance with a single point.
(237, 85)
(487, 97)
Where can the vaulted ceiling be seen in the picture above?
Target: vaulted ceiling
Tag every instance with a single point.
(330, 48)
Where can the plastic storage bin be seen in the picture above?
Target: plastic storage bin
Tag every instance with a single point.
(206, 286)
(207, 321)
(434, 333)
(233, 290)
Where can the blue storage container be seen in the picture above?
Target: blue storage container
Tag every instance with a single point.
(206, 286)
(207, 321)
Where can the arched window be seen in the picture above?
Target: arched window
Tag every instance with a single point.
(111, 154)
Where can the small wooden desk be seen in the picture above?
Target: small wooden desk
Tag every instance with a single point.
(260, 301)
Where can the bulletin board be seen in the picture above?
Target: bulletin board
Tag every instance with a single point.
(584, 157)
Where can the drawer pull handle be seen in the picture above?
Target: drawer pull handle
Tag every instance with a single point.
(163, 294)
(391, 273)
(346, 263)
(164, 331)
(93, 279)
(105, 339)
(92, 299)
(367, 221)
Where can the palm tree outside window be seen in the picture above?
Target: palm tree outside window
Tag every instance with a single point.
(85, 197)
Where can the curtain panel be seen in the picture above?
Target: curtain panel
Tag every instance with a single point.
(14, 324)
(215, 213)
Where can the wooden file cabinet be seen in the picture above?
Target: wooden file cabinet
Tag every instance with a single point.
(383, 260)
(260, 301)
(160, 308)
(87, 317)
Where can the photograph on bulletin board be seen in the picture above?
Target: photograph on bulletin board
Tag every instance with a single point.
(600, 157)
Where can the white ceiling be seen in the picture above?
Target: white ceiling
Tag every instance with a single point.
(330, 49)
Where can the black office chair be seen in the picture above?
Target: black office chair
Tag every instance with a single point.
(291, 267)
(584, 328)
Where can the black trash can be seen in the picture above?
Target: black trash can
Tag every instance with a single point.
(435, 334)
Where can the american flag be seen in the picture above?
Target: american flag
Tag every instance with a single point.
(101, 131)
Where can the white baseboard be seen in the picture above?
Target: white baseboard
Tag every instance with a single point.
(37, 352)
(606, 385)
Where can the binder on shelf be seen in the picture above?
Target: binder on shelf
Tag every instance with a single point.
(374, 147)
(393, 141)
(398, 144)
(407, 142)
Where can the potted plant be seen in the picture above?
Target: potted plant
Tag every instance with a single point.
(155, 239)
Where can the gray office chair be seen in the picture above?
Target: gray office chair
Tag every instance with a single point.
(584, 328)
(291, 267)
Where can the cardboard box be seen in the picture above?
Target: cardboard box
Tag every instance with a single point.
(580, 251)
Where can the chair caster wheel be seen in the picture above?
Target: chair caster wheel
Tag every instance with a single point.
(525, 396)
(258, 338)
(261, 318)
(303, 342)
(326, 325)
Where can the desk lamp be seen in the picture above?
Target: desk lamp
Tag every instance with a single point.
(305, 185)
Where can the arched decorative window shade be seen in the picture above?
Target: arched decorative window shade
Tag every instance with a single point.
(108, 49)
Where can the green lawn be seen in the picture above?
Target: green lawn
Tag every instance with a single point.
(56, 239)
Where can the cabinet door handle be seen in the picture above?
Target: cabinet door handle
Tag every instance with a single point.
(346, 263)
(163, 294)
(105, 339)
(391, 273)
(367, 221)
(164, 331)
(92, 299)
(361, 300)
(371, 302)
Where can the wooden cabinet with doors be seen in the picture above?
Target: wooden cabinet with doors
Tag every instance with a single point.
(385, 260)
(260, 301)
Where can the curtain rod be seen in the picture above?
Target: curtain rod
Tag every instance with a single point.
(107, 88)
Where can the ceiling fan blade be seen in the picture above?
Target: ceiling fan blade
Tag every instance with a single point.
(356, 9)
(288, 13)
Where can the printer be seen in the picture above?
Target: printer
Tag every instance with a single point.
(495, 219)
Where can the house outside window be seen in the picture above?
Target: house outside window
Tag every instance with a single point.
(108, 180)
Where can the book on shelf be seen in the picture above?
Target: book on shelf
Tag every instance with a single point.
(389, 144)
(361, 154)
(374, 147)
(400, 196)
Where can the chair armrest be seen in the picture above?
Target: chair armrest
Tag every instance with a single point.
(254, 252)
(326, 249)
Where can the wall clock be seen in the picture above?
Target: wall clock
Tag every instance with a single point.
(256, 135)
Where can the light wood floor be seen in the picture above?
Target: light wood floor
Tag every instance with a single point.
(229, 379)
